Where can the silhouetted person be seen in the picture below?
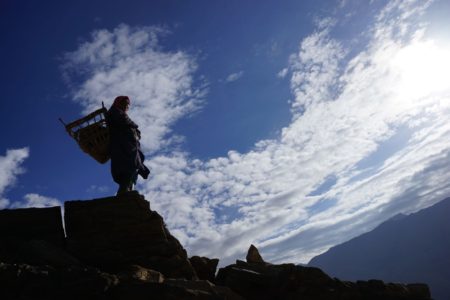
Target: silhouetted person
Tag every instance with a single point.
(127, 160)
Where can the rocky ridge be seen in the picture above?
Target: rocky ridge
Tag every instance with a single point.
(118, 248)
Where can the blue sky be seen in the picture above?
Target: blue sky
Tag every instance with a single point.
(292, 125)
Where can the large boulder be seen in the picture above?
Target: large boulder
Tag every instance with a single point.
(205, 267)
(32, 224)
(253, 256)
(135, 273)
(26, 282)
(112, 232)
(26, 233)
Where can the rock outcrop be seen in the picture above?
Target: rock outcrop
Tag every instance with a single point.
(118, 248)
(113, 232)
(253, 256)
(32, 224)
(256, 279)
(205, 267)
(32, 235)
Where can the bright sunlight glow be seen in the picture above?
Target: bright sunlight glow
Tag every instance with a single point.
(424, 70)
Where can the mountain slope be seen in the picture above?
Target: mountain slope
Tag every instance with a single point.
(413, 248)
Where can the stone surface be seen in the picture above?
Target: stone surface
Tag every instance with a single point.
(135, 273)
(32, 235)
(206, 287)
(112, 232)
(32, 224)
(25, 282)
(253, 255)
(288, 281)
(38, 252)
(21, 281)
(205, 267)
(149, 290)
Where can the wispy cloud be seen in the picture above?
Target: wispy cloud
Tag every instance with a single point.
(360, 118)
(36, 200)
(129, 61)
(343, 3)
(3, 203)
(283, 73)
(10, 168)
(234, 76)
(95, 189)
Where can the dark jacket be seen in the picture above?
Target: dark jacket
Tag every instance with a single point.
(124, 146)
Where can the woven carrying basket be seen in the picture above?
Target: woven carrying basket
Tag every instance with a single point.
(92, 134)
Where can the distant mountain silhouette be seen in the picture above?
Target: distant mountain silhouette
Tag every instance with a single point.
(412, 248)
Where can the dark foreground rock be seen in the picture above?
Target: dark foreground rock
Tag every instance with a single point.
(32, 224)
(117, 248)
(21, 281)
(256, 279)
(112, 232)
(205, 267)
(22, 230)
(44, 282)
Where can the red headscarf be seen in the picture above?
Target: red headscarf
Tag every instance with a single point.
(121, 102)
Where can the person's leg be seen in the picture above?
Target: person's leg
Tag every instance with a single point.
(128, 183)
(123, 188)
(133, 181)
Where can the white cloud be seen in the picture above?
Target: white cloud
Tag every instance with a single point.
(234, 76)
(36, 200)
(343, 3)
(324, 23)
(4, 203)
(315, 70)
(355, 119)
(98, 189)
(10, 168)
(129, 61)
(283, 73)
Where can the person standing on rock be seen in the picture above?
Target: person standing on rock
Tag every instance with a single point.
(127, 159)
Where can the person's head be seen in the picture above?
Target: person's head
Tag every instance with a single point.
(122, 103)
